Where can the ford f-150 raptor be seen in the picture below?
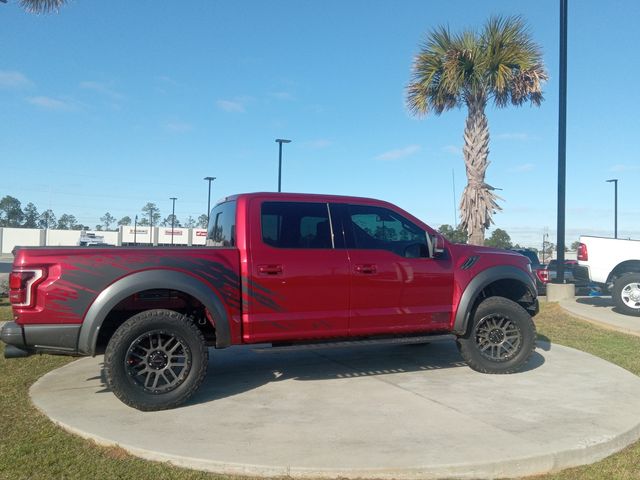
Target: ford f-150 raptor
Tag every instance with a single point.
(278, 268)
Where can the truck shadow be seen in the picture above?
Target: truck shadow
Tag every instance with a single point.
(599, 302)
(602, 302)
(233, 373)
(237, 370)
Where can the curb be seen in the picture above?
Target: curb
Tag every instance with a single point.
(599, 323)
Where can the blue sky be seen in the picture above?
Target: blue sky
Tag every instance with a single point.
(108, 105)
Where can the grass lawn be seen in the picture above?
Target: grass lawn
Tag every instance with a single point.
(5, 310)
(31, 447)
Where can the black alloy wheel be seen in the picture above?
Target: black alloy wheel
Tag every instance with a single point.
(156, 360)
(500, 338)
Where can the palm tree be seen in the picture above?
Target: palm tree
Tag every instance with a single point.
(42, 6)
(500, 63)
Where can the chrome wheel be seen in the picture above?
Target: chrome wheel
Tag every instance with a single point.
(158, 361)
(498, 338)
(630, 295)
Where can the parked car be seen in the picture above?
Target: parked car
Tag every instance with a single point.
(545, 274)
(614, 265)
(549, 273)
(582, 285)
(281, 268)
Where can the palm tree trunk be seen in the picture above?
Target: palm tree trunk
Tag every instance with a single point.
(478, 202)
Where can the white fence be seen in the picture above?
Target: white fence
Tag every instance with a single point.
(33, 237)
(10, 237)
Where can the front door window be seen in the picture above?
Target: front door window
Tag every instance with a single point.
(396, 287)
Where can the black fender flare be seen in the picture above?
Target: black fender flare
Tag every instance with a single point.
(148, 280)
(479, 282)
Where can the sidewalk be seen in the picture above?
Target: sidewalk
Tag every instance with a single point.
(600, 310)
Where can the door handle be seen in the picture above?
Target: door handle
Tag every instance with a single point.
(367, 269)
(270, 269)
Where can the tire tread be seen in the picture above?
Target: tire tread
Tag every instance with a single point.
(467, 348)
(616, 292)
(124, 331)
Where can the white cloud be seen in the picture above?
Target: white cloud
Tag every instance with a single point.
(317, 144)
(282, 95)
(513, 136)
(178, 127)
(50, 103)
(233, 106)
(399, 153)
(12, 79)
(452, 149)
(621, 167)
(167, 80)
(102, 88)
(525, 167)
(164, 83)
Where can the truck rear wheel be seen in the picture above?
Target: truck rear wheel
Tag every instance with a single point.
(626, 294)
(500, 338)
(156, 360)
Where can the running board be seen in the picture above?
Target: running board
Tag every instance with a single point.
(356, 343)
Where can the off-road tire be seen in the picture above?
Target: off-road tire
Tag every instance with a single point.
(624, 290)
(156, 360)
(500, 338)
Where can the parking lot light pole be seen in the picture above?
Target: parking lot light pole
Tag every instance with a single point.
(209, 179)
(173, 216)
(562, 141)
(280, 141)
(615, 203)
(135, 231)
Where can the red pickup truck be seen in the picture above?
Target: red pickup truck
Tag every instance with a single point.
(278, 268)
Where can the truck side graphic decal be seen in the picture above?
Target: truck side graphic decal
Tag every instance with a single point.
(84, 277)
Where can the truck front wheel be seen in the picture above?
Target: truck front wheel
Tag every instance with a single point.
(500, 338)
(156, 360)
(626, 294)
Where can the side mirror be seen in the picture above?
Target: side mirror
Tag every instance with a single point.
(436, 245)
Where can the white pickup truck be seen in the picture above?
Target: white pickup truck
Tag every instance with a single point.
(614, 265)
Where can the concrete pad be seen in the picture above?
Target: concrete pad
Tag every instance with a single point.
(401, 411)
(560, 291)
(602, 311)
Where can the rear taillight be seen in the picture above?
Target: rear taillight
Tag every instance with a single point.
(582, 252)
(543, 275)
(22, 286)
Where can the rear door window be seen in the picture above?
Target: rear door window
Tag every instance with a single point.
(296, 225)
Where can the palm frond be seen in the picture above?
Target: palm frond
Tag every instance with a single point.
(527, 86)
(42, 6)
(513, 62)
(431, 87)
